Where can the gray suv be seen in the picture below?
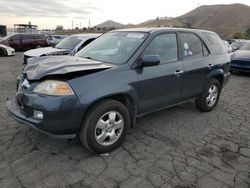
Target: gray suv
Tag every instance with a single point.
(98, 93)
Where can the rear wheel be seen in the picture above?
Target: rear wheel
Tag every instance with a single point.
(210, 96)
(3, 52)
(105, 126)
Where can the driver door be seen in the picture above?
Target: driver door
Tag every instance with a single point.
(160, 86)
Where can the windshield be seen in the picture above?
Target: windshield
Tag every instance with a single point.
(238, 44)
(5, 38)
(69, 42)
(114, 47)
(245, 47)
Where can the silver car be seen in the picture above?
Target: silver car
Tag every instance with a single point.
(69, 45)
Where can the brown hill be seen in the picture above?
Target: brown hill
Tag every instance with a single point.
(223, 19)
(171, 22)
(110, 23)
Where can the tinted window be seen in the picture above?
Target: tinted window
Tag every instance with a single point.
(15, 38)
(216, 43)
(27, 37)
(38, 37)
(165, 46)
(191, 46)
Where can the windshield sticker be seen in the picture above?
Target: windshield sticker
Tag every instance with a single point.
(186, 46)
(135, 35)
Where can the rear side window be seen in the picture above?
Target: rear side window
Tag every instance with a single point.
(27, 37)
(192, 46)
(216, 43)
(15, 38)
(165, 46)
(38, 37)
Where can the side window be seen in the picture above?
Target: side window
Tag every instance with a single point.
(192, 46)
(85, 44)
(216, 43)
(27, 37)
(205, 50)
(165, 46)
(15, 38)
(38, 37)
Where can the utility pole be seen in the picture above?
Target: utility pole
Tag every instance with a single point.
(89, 24)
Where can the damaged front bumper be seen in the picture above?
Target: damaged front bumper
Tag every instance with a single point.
(62, 115)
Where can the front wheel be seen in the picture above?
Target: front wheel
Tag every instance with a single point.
(208, 100)
(105, 126)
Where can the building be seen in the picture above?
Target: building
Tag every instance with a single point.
(3, 31)
(25, 28)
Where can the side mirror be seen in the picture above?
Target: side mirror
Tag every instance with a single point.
(150, 60)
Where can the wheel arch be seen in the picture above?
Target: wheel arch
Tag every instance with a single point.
(124, 98)
(217, 74)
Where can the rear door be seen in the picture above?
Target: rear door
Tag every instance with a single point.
(197, 64)
(27, 42)
(160, 86)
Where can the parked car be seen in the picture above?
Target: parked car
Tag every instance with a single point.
(55, 39)
(70, 45)
(237, 44)
(6, 50)
(98, 93)
(22, 42)
(240, 60)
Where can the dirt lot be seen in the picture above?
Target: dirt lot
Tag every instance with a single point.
(177, 147)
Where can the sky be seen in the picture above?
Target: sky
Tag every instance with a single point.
(47, 14)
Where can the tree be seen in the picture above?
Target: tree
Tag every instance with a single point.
(59, 28)
(239, 35)
(247, 33)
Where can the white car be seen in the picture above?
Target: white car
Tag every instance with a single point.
(55, 39)
(6, 50)
(69, 45)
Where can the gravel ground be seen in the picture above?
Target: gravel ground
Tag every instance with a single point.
(177, 147)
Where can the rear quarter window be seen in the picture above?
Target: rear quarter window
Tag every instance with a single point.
(192, 46)
(215, 43)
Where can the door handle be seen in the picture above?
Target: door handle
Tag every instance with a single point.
(178, 72)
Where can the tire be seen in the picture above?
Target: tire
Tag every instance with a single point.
(205, 103)
(3, 52)
(99, 115)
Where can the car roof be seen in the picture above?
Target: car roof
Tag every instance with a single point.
(155, 29)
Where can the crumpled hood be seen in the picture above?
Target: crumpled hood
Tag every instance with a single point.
(38, 68)
(46, 51)
(241, 55)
